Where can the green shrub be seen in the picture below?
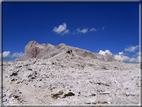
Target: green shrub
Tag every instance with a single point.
(14, 74)
(102, 84)
(18, 66)
(104, 102)
(69, 94)
(30, 69)
(104, 68)
(93, 95)
(55, 96)
(26, 65)
(82, 66)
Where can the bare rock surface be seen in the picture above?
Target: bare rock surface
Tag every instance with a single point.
(45, 51)
(68, 78)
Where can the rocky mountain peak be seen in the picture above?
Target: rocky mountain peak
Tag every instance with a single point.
(31, 43)
(62, 46)
(36, 50)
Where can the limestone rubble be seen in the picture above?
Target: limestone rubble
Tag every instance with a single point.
(67, 79)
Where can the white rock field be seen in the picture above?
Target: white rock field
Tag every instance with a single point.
(68, 80)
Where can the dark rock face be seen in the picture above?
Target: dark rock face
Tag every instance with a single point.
(35, 50)
(85, 53)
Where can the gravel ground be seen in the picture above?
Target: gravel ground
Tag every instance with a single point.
(66, 80)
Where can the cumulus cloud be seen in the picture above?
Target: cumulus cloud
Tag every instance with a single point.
(93, 29)
(17, 55)
(133, 60)
(121, 57)
(131, 48)
(104, 52)
(85, 30)
(121, 53)
(61, 29)
(137, 54)
(5, 54)
(136, 57)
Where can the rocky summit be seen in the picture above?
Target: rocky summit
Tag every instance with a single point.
(63, 75)
(45, 51)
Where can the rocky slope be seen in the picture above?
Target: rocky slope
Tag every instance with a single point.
(45, 51)
(67, 78)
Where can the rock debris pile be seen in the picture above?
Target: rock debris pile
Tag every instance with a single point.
(66, 79)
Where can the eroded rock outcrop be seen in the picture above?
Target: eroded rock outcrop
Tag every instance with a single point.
(45, 51)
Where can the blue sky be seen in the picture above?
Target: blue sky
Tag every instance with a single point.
(97, 27)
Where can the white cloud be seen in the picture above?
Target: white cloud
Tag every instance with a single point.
(6, 54)
(137, 54)
(121, 53)
(82, 31)
(138, 59)
(65, 32)
(103, 52)
(132, 59)
(93, 29)
(61, 28)
(131, 48)
(17, 55)
(121, 57)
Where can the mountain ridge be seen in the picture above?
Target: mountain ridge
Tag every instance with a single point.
(45, 51)
(65, 75)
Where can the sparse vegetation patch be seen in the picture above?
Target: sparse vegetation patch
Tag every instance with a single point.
(69, 94)
(102, 84)
(55, 96)
(104, 68)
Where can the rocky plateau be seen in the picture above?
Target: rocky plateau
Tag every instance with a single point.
(65, 75)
